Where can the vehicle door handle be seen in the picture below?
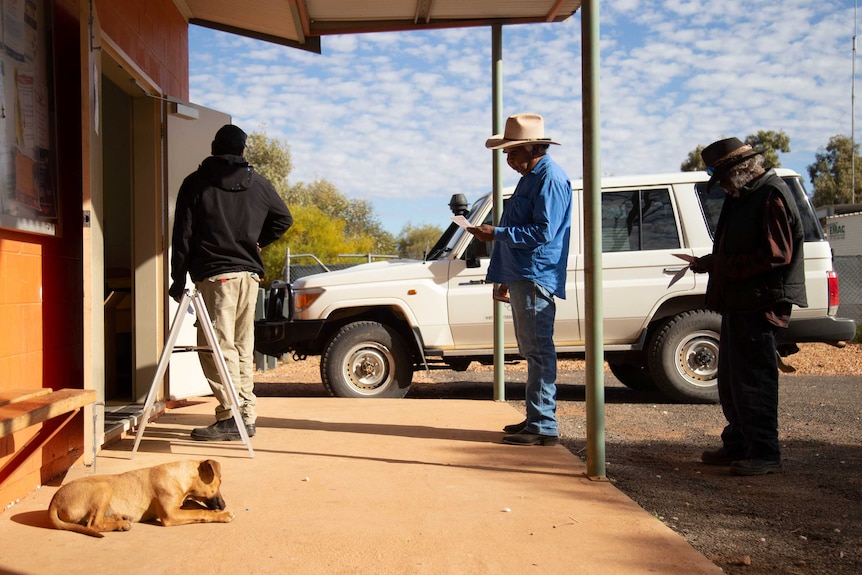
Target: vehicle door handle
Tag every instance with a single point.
(473, 283)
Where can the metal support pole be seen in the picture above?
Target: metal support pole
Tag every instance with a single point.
(497, 164)
(595, 399)
(853, 114)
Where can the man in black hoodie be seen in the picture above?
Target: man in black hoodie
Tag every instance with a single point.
(225, 214)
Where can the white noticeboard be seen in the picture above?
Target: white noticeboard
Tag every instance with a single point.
(190, 132)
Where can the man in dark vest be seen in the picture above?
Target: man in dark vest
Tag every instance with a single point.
(756, 274)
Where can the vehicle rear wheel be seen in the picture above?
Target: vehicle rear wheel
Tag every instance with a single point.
(633, 375)
(366, 359)
(683, 357)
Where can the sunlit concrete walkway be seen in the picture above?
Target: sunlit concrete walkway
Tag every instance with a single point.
(368, 487)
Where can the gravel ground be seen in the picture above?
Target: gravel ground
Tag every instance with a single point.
(806, 521)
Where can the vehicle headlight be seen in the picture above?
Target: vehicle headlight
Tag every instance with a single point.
(304, 299)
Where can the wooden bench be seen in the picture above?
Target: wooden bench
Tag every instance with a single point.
(21, 408)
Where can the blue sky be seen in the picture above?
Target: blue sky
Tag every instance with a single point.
(400, 119)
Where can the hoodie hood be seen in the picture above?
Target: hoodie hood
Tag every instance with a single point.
(228, 172)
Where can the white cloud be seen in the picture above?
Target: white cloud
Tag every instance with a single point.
(401, 118)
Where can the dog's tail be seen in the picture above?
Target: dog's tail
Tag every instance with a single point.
(57, 523)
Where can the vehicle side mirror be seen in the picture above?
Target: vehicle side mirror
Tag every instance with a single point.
(475, 250)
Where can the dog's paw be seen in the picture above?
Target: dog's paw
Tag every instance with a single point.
(227, 516)
(124, 525)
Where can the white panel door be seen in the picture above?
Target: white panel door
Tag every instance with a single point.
(188, 143)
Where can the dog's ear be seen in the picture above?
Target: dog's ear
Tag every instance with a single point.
(208, 470)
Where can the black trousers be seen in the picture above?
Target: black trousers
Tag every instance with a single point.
(748, 386)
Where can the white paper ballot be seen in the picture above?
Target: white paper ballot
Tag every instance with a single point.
(678, 276)
(461, 221)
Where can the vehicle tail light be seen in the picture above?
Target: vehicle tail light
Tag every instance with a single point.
(832, 279)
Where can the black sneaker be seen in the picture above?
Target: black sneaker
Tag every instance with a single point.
(224, 430)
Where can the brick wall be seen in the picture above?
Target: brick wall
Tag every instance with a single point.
(41, 297)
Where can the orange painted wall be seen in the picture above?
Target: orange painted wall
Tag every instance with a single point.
(41, 297)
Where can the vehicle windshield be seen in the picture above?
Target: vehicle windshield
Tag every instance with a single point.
(450, 237)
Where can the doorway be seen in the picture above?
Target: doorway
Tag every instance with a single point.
(118, 229)
(133, 220)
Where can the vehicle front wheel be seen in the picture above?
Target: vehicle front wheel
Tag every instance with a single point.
(366, 359)
(683, 357)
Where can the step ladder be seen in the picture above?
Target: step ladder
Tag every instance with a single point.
(196, 300)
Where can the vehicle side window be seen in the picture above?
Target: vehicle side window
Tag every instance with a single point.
(711, 201)
(638, 220)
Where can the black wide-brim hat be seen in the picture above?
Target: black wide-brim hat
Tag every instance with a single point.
(722, 155)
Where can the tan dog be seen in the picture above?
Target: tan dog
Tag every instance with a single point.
(113, 502)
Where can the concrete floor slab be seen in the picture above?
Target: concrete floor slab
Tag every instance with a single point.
(364, 486)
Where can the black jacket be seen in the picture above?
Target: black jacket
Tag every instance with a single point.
(225, 211)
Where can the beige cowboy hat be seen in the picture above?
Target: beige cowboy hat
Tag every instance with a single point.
(521, 129)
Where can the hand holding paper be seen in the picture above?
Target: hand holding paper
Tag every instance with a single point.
(679, 275)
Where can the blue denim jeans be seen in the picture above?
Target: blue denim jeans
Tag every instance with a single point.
(533, 313)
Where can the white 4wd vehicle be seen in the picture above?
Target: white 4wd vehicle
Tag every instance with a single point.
(374, 324)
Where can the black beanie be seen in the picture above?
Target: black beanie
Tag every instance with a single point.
(229, 140)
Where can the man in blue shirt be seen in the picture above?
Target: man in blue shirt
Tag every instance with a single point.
(529, 260)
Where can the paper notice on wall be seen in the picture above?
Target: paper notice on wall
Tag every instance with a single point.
(25, 120)
(20, 28)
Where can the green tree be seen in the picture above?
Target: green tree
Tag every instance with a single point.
(831, 173)
(767, 141)
(693, 163)
(271, 159)
(414, 242)
(358, 214)
(326, 222)
(770, 143)
(313, 232)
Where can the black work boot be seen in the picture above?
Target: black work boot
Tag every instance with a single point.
(224, 430)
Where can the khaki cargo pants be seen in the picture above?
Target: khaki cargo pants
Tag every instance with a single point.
(231, 299)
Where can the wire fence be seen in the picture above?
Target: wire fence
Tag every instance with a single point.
(849, 269)
(302, 270)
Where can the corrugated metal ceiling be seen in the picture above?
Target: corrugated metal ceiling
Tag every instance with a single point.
(301, 23)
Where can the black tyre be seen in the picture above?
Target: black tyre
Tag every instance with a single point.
(632, 374)
(683, 357)
(366, 359)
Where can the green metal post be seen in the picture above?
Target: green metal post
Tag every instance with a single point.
(595, 399)
(497, 163)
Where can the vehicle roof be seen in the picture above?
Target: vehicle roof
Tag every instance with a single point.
(609, 182)
(658, 179)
